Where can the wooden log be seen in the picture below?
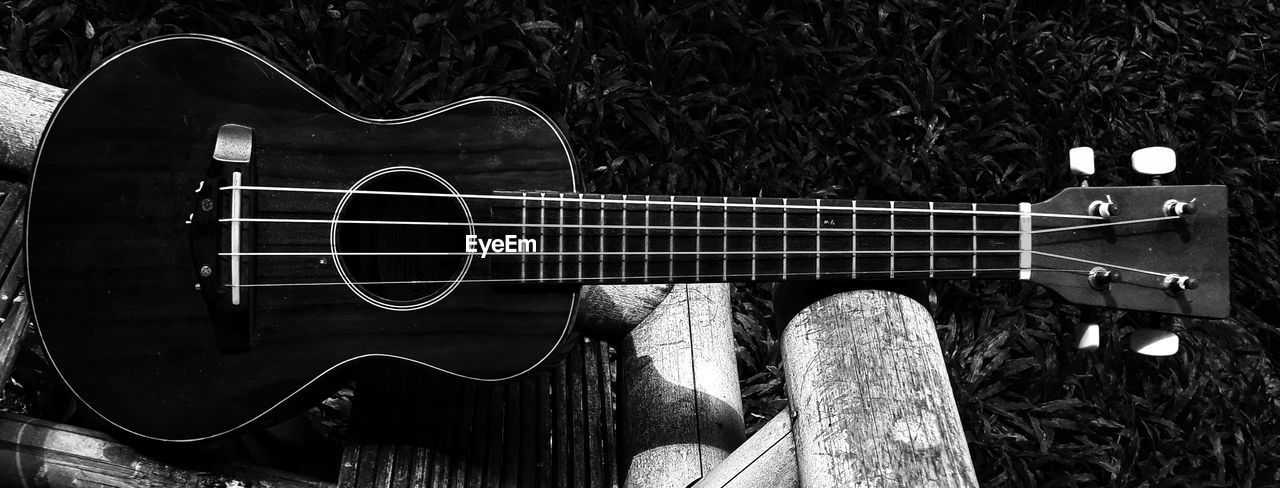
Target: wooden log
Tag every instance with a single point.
(766, 460)
(681, 405)
(872, 402)
(40, 453)
(616, 309)
(27, 106)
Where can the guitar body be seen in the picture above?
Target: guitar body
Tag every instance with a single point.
(110, 253)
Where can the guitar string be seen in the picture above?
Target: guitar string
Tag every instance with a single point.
(587, 279)
(1097, 263)
(890, 253)
(651, 203)
(723, 205)
(699, 229)
(605, 226)
(628, 253)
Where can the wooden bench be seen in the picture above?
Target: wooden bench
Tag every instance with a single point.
(649, 399)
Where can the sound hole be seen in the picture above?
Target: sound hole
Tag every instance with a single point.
(408, 266)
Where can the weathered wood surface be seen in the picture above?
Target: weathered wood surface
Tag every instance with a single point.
(27, 105)
(766, 460)
(616, 309)
(39, 453)
(872, 402)
(14, 308)
(680, 404)
(551, 429)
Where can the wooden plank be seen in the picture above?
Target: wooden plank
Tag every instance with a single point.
(546, 432)
(530, 445)
(27, 106)
(766, 460)
(13, 305)
(40, 453)
(417, 428)
(680, 399)
(609, 407)
(446, 459)
(577, 424)
(422, 456)
(592, 442)
(871, 396)
(563, 467)
(512, 435)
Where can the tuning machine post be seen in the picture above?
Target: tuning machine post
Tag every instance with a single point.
(1176, 284)
(1101, 278)
(1105, 209)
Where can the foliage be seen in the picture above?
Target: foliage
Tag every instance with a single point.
(896, 99)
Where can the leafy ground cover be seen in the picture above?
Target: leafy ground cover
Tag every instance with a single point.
(898, 100)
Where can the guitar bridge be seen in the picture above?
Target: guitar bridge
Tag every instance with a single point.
(218, 239)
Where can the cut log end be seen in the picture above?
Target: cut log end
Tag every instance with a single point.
(872, 398)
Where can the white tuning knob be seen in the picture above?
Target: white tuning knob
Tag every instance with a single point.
(1154, 161)
(1087, 336)
(1081, 161)
(1153, 342)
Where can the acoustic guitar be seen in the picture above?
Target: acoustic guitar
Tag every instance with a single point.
(209, 241)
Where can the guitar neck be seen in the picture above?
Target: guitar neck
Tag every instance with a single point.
(619, 239)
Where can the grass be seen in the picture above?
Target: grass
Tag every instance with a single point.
(903, 100)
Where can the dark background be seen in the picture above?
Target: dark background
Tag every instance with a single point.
(976, 102)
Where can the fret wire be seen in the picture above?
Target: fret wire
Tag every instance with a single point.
(697, 240)
(892, 245)
(817, 242)
(853, 233)
(524, 231)
(1024, 241)
(931, 243)
(753, 238)
(974, 225)
(784, 239)
(623, 262)
(602, 252)
(561, 261)
(581, 228)
(542, 219)
(671, 238)
(646, 238)
(724, 245)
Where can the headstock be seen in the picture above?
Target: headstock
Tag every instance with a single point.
(1157, 248)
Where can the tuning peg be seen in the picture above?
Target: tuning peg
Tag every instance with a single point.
(1154, 162)
(1088, 336)
(1081, 163)
(1153, 342)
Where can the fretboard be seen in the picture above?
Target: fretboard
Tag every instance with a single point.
(594, 238)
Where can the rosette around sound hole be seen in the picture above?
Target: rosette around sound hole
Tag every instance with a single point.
(399, 238)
